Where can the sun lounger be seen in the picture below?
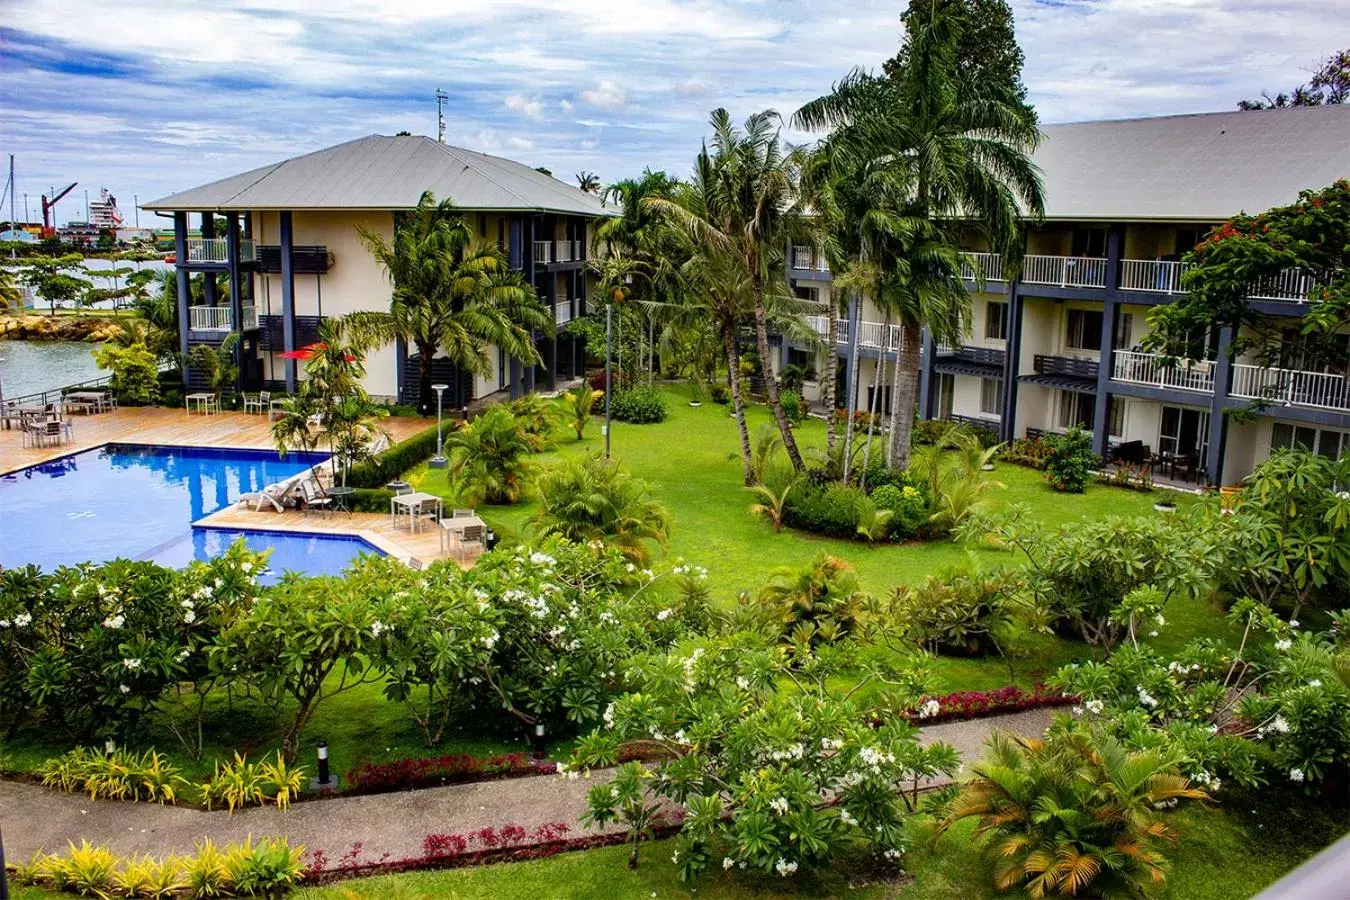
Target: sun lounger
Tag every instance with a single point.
(275, 495)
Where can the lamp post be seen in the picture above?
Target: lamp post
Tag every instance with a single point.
(609, 326)
(325, 780)
(438, 461)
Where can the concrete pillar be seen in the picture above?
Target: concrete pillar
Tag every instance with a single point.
(927, 358)
(288, 295)
(209, 277)
(1218, 422)
(1103, 399)
(180, 227)
(1012, 364)
(236, 294)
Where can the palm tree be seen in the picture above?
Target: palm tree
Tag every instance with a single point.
(451, 294)
(772, 494)
(490, 458)
(822, 596)
(751, 213)
(579, 403)
(1074, 814)
(594, 500)
(957, 150)
(588, 182)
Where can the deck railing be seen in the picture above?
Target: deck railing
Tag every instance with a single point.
(1065, 271)
(567, 251)
(218, 318)
(806, 259)
(988, 266)
(1292, 285)
(217, 250)
(562, 312)
(1162, 371)
(543, 251)
(1155, 275)
(1290, 387)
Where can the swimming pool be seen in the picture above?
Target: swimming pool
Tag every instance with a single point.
(140, 502)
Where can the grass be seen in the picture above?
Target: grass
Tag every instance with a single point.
(692, 464)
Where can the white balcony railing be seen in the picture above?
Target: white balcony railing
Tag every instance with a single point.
(543, 251)
(1156, 275)
(821, 326)
(1065, 271)
(806, 259)
(217, 250)
(567, 251)
(218, 318)
(988, 266)
(1161, 371)
(1291, 387)
(562, 312)
(1291, 284)
(878, 335)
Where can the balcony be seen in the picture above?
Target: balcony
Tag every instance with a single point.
(1064, 366)
(1291, 285)
(543, 252)
(306, 259)
(1291, 387)
(805, 259)
(562, 312)
(878, 336)
(272, 335)
(567, 251)
(1155, 370)
(821, 326)
(1065, 271)
(985, 266)
(218, 318)
(217, 250)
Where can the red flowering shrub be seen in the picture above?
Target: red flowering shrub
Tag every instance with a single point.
(433, 771)
(976, 704)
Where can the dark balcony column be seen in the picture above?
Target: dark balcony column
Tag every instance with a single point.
(516, 383)
(236, 294)
(515, 237)
(400, 368)
(1115, 252)
(551, 343)
(180, 229)
(288, 295)
(1012, 363)
(851, 357)
(208, 277)
(927, 358)
(1218, 422)
(1099, 419)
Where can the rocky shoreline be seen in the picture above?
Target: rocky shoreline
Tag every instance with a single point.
(89, 329)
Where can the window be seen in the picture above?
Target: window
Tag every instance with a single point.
(996, 320)
(1084, 330)
(1115, 416)
(1324, 441)
(1124, 331)
(991, 396)
(946, 385)
(805, 293)
(1089, 242)
(1076, 409)
(1184, 432)
(1187, 238)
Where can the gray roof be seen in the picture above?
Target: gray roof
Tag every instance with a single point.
(379, 172)
(1200, 168)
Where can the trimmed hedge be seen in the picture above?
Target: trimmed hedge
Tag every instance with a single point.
(639, 405)
(376, 473)
(374, 500)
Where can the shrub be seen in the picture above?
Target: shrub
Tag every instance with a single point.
(908, 506)
(393, 462)
(961, 705)
(595, 500)
(538, 419)
(932, 431)
(831, 509)
(490, 458)
(1031, 452)
(639, 405)
(121, 775)
(269, 868)
(1103, 826)
(580, 404)
(794, 407)
(135, 373)
(1069, 461)
(958, 610)
(820, 602)
(720, 393)
(423, 772)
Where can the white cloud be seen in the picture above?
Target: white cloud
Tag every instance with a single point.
(519, 143)
(529, 107)
(590, 144)
(566, 106)
(606, 95)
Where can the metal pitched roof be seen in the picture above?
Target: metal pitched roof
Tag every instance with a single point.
(1203, 168)
(379, 172)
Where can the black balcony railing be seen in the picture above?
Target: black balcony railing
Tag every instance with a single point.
(272, 335)
(983, 356)
(1065, 365)
(308, 259)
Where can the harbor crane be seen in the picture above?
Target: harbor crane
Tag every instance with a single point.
(48, 207)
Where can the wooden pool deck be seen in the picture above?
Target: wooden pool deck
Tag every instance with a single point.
(175, 428)
(168, 427)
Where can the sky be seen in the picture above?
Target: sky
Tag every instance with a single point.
(146, 98)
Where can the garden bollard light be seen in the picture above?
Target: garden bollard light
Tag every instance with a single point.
(438, 461)
(539, 740)
(325, 776)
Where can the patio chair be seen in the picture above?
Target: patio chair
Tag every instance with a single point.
(276, 408)
(274, 495)
(259, 402)
(463, 514)
(470, 539)
(427, 510)
(312, 495)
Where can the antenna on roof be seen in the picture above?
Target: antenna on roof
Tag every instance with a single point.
(441, 97)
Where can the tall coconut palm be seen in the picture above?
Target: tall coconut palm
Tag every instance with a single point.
(752, 212)
(588, 182)
(451, 294)
(958, 146)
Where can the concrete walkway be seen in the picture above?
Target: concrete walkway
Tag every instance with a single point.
(33, 817)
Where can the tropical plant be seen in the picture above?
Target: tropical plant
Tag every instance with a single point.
(772, 493)
(766, 447)
(818, 603)
(627, 803)
(580, 402)
(874, 522)
(490, 458)
(952, 469)
(642, 405)
(135, 372)
(756, 736)
(588, 182)
(1074, 813)
(120, 775)
(215, 365)
(936, 140)
(961, 610)
(57, 279)
(452, 294)
(1070, 460)
(595, 500)
(538, 419)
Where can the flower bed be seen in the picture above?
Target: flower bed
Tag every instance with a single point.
(979, 704)
(412, 773)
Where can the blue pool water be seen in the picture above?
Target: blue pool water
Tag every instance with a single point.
(140, 502)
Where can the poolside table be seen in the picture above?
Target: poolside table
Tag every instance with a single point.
(206, 403)
(98, 401)
(456, 526)
(412, 504)
(341, 497)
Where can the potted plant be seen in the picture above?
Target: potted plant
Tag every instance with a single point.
(1166, 503)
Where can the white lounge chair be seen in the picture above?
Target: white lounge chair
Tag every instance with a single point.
(275, 495)
(313, 496)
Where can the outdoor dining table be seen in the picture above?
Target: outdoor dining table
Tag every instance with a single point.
(412, 504)
(206, 403)
(85, 400)
(457, 524)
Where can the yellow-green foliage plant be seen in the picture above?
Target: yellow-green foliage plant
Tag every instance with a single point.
(87, 870)
(150, 879)
(122, 775)
(283, 782)
(267, 869)
(207, 874)
(236, 784)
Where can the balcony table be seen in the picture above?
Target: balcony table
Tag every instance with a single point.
(99, 401)
(341, 497)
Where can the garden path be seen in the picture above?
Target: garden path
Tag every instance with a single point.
(33, 817)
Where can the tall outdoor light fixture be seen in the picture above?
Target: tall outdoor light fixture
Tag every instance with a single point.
(438, 461)
(609, 325)
(325, 780)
